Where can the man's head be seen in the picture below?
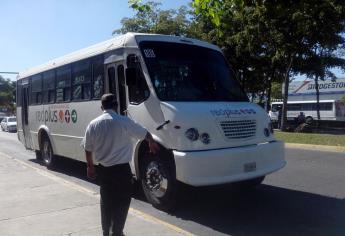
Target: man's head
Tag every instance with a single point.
(109, 101)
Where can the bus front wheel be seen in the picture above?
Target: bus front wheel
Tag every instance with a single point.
(158, 182)
(47, 155)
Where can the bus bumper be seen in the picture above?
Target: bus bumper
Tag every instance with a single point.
(201, 168)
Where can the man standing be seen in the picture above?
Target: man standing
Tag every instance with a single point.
(108, 140)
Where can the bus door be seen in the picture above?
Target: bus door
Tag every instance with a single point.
(25, 116)
(116, 85)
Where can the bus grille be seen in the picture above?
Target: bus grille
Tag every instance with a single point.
(238, 129)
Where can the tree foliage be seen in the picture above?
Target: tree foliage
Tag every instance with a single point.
(7, 93)
(270, 41)
(149, 18)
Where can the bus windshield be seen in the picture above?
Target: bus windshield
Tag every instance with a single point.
(181, 72)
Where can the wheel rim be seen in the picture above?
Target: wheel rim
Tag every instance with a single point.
(47, 153)
(155, 179)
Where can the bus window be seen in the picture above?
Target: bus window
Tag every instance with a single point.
(81, 80)
(36, 89)
(112, 82)
(138, 92)
(327, 106)
(49, 87)
(98, 78)
(63, 84)
(294, 107)
(122, 89)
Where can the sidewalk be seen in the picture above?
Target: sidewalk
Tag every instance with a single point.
(35, 202)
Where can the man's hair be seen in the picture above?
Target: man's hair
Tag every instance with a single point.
(109, 101)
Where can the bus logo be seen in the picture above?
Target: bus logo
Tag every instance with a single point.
(74, 116)
(67, 116)
(61, 116)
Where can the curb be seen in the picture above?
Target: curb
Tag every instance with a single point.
(316, 147)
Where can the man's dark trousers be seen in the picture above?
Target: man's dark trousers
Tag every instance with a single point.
(116, 190)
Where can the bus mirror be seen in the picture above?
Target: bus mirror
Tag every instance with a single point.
(131, 76)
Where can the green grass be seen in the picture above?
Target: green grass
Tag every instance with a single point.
(317, 139)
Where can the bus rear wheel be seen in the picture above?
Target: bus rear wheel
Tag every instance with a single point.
(158, 182)
(309, 120)
(47, 155)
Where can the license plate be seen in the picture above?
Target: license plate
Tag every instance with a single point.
(249, 167)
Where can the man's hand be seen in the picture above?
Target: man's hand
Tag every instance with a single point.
(91, 173)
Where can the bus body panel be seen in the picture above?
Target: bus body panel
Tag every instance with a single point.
(221, 166)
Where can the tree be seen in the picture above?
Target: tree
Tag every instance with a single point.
(149, 18)
(274, 38)
(7, 94)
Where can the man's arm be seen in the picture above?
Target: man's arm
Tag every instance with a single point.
(91, 173)
(154, 147)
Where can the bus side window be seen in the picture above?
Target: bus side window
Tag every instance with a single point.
(63, 84)
(36, 89)
(49, 87)
(98, 78)
(81, 80)
(139, 91)
(122, 89)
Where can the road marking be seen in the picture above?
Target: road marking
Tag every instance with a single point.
(94, 194)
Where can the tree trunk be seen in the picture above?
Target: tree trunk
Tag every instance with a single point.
(317, 101)
(268, 99)
(283, 125)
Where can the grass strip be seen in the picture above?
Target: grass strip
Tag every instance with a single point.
(309, 138)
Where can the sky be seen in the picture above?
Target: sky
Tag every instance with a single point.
(33, 32)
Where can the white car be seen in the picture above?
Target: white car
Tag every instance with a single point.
(9, 124)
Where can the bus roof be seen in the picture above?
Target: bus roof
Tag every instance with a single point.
(126, 40)
(297, 102)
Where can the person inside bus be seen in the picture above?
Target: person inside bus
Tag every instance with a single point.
(107, 141)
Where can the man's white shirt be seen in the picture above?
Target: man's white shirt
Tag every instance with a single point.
(110, 137)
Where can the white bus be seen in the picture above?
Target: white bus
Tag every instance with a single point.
(330, 110)
(182, 90)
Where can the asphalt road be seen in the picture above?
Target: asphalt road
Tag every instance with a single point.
(304, 198)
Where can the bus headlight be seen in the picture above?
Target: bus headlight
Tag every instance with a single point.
(205, 138)
(192, 134)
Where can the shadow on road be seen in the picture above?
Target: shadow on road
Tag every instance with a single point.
(265, 210)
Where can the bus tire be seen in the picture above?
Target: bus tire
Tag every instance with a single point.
(250, 183)
(159, 182)
(309, 120)
(47, 155)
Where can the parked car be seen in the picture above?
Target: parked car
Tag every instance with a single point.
(9, 124)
